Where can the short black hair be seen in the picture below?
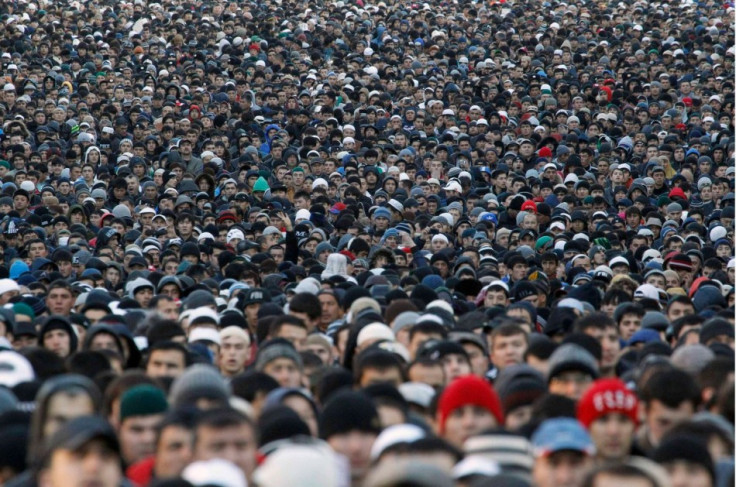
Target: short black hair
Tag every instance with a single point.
(672, 387)
(249, 384)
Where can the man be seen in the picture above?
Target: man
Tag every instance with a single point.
(141, 410)
(508, 345)
(234, 351)
(686, 460)
(308, 308)
(58, 336)
(174, 440)
(331, 308)
(572, 370)
(562, 451)
(609, 412)
(668, 397)
(141, 290)
(84, 452)
(290, 328)
(167, 359)
(226, 434)
(467, 406)
(279, 359)
(453, 357)
(253, 298)
(476, 348)
(61, 399)
(60, 299)
(679, 306)
(375, 366)
(349, 423)
(602, 327)
(628, 318)
(497, 294)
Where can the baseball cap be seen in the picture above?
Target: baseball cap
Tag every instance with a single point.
(76, 433)
(561, 434)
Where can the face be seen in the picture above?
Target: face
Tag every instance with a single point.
(234, 353)
(165, 363)
(517, 418)
(168, 309)
(610, 345)
(612, 435)
(508, 350)
(138, 437)
(285, 371)
(629, 324)
(688, 474)
(356, 446)
(295, 334)
(330, 308)
(496, 298)
(64, 407)
(95, 463)
(60, 301)
(58, 341)
(518, 272)
(467, 421)
(103, 341)
(455, 365)
(478, 359)
(173, 452)
(678, 310)
(572, 384)
(660, 418)
(560, 469)
(236, 444)
(370, 376)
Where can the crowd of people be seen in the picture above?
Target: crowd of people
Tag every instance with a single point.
(346, 243)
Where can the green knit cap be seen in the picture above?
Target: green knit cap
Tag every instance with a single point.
(261, 185)
(24, 309)
(142, 400)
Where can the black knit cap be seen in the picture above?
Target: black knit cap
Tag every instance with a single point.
(348, 411)
(680, 447)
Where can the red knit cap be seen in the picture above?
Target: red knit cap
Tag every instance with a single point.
(545, 152)
(529, 206)
(677, 192)
(607, 396)
(468, 390)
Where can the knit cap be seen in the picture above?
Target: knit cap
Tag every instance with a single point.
(571, 357)
(468, 390)
(607, 396)
(519, 385)
(137, 284)
(274, 349)
(199, 381)
(142, 400)
(261, 185)
(348, 411)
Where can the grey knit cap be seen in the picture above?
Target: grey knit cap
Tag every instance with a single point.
(277, 348)
(199, 381)
(571, 357)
